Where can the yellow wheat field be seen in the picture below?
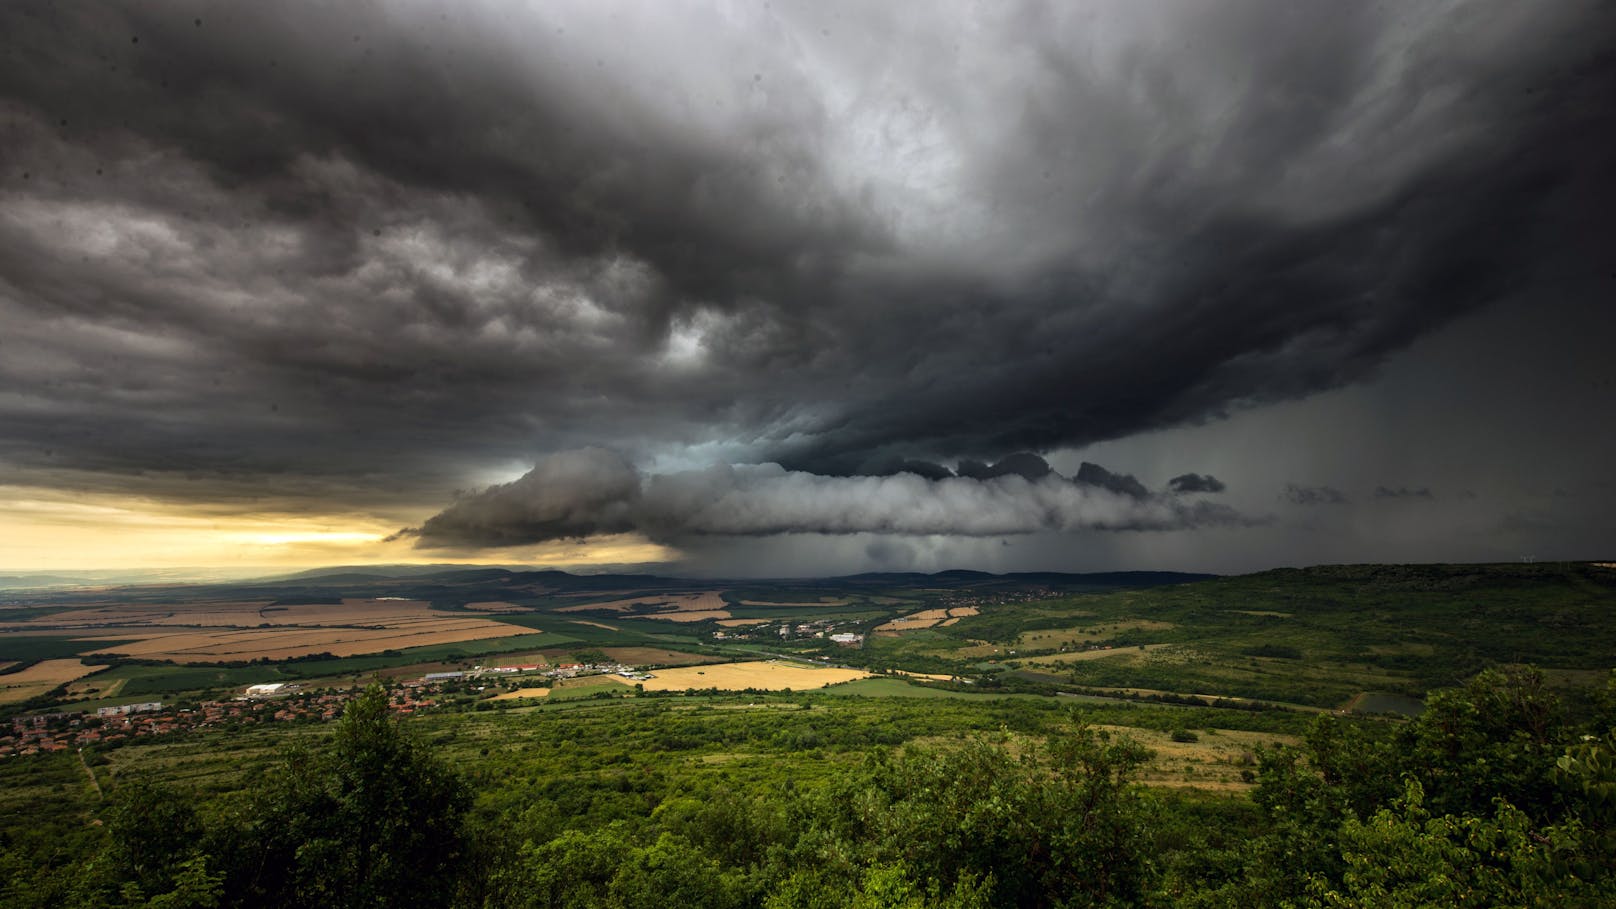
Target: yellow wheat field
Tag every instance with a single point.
(699, 615)
(228, 631)
(679, 607)
(915, 620)
(770, 675)
(495, 606)
(41, 677)
(285, 643)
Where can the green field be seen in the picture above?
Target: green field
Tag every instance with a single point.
(899, 688)
(31, 647)
(1318, 636)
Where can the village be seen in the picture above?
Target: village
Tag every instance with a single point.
(271, 702)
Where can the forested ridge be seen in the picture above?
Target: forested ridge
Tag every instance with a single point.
(1503, 792)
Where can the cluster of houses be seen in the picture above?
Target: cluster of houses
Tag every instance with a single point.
(979, 599)
(820, 628)
(560, 671)
(47, 733)
(263, 703)
(126, 709)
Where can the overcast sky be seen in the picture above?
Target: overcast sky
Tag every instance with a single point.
(805, 288)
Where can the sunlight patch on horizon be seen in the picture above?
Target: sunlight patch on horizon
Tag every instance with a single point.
(43, 530)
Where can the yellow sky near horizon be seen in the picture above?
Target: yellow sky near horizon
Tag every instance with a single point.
(45, 530)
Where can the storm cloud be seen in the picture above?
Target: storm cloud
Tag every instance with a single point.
(1402, 492)
(446, 234)
(587, 493)
(1194, 482)
(1314, 495)
(317, 256)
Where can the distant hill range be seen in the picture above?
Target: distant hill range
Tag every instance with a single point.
(564, 582)
(458, 582)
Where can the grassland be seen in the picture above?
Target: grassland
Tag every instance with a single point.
(521, 694)
(1319, 636)
(878, 687)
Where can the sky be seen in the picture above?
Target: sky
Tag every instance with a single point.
(805, 288)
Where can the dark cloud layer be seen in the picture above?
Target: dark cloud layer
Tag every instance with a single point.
(1121, 484)
(364, 253)
(1194, 482)
(1314, 495)
(1402, 492)
(580, 494)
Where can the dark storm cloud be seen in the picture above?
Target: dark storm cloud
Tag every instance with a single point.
(1194, 482)
(592, 492)
(1402, 492)
(1119, 483)
(1314, 495)
(1022, 464)
(570, 494)
(370, 250)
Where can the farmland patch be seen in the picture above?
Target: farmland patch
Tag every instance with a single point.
(772, 675)
(522, 693)
(41, 677)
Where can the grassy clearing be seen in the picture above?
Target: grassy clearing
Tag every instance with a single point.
(1378, 702)
(1190, 670)
(1080, 656)
(522, 694)
(587, 686)
(1085, 633)
(1213, 762)
(899, 688)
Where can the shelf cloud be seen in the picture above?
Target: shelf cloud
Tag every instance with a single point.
(596, 492)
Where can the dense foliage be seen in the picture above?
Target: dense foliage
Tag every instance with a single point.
(1501, 793)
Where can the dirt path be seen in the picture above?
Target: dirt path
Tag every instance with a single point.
(100, 796)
